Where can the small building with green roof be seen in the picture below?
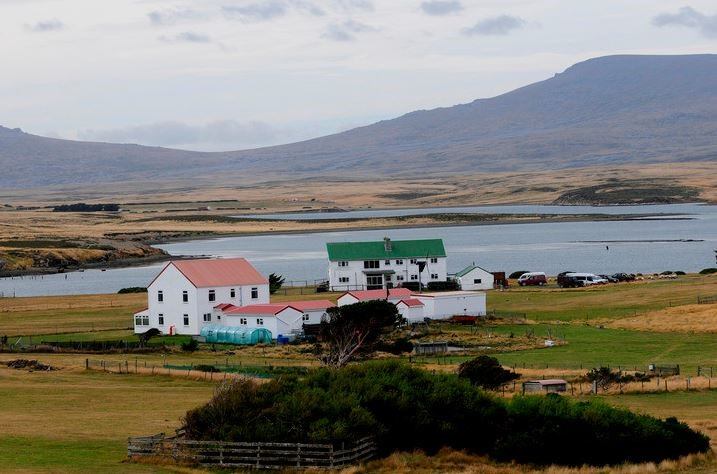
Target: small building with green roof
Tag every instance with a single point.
(474, 278)
(385, 264)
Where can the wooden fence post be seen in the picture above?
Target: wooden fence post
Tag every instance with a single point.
(87, 364)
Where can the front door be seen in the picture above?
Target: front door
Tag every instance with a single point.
(374, 282)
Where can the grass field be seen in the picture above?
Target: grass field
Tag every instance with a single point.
(74, 420)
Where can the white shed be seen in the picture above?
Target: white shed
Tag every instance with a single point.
(411, 309)
(452, 303)
(474, 278)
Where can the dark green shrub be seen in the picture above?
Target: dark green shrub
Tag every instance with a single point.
(708, 271)
(190, 346)
(450, 285)
(408, 408)
(132, 289)
(518, 274)
(486, 372)
(206, 368)
(275, 282)
(411, 285)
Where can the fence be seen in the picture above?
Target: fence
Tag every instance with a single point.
(254, 455)
(706, 299)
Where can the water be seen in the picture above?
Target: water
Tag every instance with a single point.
(548, 247)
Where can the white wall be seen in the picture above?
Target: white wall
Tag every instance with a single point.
(445, 305)
(357, 279)
(412, 314)
(172, 283)
(467, 281)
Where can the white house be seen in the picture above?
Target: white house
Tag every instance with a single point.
(444, 305)
(474, 277)
(278, 318)
(385, 264)
(393, 295)
(411, 309)
(183, 295)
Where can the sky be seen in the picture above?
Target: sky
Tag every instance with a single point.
(234, 74)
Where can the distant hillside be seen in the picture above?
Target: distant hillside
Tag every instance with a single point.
(604, 111)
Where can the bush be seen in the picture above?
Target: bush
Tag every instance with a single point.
(708, 271)
(408, 408)
(132, 289)
(410, 285)
(190, 346)
(206, 368)
(518, 274)
(486, 372)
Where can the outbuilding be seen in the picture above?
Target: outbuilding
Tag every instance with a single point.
(394, 295)
(445, 305)
(474, 278)
(411, 309)
(546, 386)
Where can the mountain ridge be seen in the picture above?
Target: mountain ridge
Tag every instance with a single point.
(612, 110)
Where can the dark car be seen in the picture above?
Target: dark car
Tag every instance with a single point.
(624, 276)
(609, 278)
(562, 277)
(568, 281)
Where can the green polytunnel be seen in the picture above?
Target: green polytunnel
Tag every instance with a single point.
(235, 335)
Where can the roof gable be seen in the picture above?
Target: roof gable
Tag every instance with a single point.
(469, 269)
(366, 295)
(411, 302)
(377, 250)
(217, 272)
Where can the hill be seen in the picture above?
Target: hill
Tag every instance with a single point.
(614, 110)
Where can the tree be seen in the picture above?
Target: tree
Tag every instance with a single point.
(603, 377)
(275, 282)
(486, 372)
(355, 328)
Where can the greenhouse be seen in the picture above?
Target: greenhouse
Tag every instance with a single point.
(235, 335)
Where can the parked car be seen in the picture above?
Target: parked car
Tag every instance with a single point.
(533, 279)
(588, 279)
(562, 276)
(568, 281)
(624, 276)
(609, 278)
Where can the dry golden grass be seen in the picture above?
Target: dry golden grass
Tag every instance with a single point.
(687, 318)
(455, 462)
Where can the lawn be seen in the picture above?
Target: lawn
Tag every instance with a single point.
(77, 421)
(603, 302)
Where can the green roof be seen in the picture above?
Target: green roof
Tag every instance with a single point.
(377, 250)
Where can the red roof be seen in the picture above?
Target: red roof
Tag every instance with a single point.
(366, 295)
(411, 302)
(275, 308)
(218, 272)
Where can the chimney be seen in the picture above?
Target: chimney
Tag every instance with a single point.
(387, 244)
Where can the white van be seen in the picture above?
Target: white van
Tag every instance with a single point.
(588, 279)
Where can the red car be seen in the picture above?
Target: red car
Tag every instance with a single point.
(533, 279)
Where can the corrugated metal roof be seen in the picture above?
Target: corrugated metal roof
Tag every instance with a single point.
(469, 269)
(377, 250)
(218, 272)
(275, 308)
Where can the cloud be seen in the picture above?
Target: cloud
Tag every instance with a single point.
(365, 5)
(441, 7)
(187, 37)
(495, 26)
(173, 133)
(263, 11)
(173, 16)
(346, 31)
(44, 26)
(689, 18)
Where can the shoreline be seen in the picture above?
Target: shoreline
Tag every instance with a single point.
(208, 235)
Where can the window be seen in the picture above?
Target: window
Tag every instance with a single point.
(254, 293)
(343, 279)
(413, 261)
(138, 320)
(212, 295)
(160, 319)
(259, 321)
(186, 320)
(242, 320)
(371, 264)
(414, 277)
(185, 297)
(399, 277)
(343, 263)
(160, 296)
(207, 317)
(434, 276)
(434, 260)
(399, 262)
(387, 262)
(305, 317)
(477, 281)
(232, 293)
(145, 321)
